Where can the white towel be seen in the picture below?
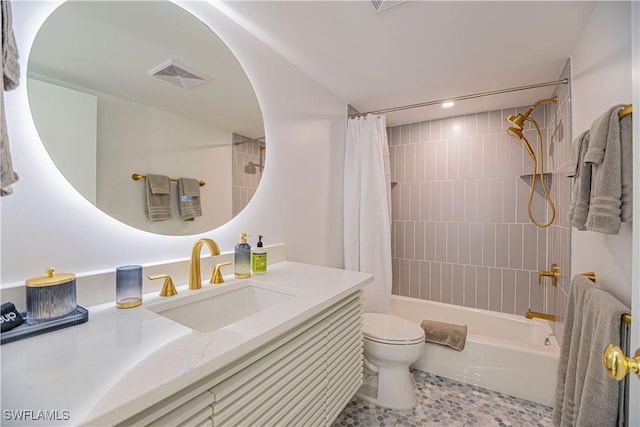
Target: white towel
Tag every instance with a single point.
(189, 199)
(605, 206)
(10, 80)
(158, 191)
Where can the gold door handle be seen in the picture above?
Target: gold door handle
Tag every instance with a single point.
(617, 364)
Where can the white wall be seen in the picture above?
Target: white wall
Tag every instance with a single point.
(299, 201)
(67, 120)
(136, 138)
(601, 66)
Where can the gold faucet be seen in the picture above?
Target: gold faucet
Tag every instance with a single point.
(195, 278)
(534, 314)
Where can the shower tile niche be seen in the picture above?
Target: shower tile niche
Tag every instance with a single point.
(460, 229)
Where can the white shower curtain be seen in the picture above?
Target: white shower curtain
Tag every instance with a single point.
(367, 208)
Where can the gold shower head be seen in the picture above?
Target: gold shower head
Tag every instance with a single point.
(515, 132)
(518, 120)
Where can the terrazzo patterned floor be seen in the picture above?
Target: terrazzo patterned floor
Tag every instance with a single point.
(445, 402)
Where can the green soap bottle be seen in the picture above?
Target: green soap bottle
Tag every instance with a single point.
(242, 258)
(259, 258)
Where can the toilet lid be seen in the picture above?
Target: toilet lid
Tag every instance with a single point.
(390, 329)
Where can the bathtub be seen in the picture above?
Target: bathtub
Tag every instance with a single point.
(503, 352)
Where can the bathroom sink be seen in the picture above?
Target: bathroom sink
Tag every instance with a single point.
(210, 309)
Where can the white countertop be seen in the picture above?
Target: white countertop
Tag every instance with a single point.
(121, 362)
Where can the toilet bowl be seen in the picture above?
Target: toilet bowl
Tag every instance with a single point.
(391, 344)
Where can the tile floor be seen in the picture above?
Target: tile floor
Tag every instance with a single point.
(445, 402)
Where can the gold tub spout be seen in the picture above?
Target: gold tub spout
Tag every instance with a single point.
(195, 277)
(534, 314)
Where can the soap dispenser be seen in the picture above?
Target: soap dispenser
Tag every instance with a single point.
(259, 258)
(242, 258)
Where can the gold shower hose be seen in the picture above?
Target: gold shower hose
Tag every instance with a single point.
(533, 180)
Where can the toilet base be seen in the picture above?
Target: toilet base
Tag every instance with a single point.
(391, 387)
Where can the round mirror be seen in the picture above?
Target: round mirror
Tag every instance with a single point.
(145, 88)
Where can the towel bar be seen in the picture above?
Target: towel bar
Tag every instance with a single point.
(137, 176)
(591, 275)
(625, 111)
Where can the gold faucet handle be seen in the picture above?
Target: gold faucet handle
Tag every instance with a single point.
(168, 288)
(216, 277)
(554, 274)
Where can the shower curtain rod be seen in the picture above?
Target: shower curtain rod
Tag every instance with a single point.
(463, 97)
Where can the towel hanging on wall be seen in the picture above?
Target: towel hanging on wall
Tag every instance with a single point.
(602, 188)
(10, 80)
(189, 199)
(592, 321)
(158, 191)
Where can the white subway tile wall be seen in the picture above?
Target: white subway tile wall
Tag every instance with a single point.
(461, 233)
(246, 170)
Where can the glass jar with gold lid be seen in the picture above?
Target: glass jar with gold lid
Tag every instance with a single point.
(50, 297)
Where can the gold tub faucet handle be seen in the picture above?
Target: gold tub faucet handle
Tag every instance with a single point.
(554, 274)
(216, 277)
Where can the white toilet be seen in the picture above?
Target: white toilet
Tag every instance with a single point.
(391, 344)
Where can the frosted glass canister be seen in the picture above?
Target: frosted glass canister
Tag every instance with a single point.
(128, 286)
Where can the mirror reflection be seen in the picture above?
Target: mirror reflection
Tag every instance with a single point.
(117, 88)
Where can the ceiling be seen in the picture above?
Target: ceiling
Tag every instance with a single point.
(414, 52)
(421, 51)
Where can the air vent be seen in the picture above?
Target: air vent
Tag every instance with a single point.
(381, 5)
(178, 74)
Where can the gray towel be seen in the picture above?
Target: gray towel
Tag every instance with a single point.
(605, 207)
(189, 198)
(158, 190)
(600, 327)
(454, 336)
(564, 407)
(626, 153)
(581, 192)
(10, 64)
(10, 80)
(592, 322)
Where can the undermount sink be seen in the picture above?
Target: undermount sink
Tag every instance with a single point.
(207, 310)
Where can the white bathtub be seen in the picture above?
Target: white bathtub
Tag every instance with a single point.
(503, 352)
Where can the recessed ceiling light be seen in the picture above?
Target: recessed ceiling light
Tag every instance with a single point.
(448, 104)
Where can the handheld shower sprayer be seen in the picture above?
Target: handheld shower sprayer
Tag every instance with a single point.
(516, 131)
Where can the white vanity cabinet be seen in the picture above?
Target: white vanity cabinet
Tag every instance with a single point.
(304, 377)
